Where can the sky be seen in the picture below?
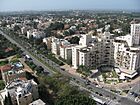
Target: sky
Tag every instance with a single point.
(21, 5)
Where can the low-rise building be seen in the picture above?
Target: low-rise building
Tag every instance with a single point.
(22, 91)
(37, 102)
(10, 72)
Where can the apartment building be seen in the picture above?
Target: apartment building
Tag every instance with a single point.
(127, 52)
(66, 52)
(48, 42)
(85, 39)
(75, 55)
(23, 30)
(106, 49)
(135, 34)
(93, 51)
(35, 34)
(56, 43)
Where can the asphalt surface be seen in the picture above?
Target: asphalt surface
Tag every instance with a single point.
(106, 93)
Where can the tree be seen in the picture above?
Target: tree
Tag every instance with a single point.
(71, 32)
(44, 94)
(74, 40)
(8, 100)
(2, 85)
(84, 70)
(48, 32)
(16, 28)
(66, 33)
(95, 33)
(126, 29)
(78, 99)
(56, 26)
(39, 69)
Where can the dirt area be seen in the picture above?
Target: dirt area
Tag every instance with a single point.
(70, 69)
(26, 67)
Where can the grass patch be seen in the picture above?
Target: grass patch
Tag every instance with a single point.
(2, 63)
(84, 70)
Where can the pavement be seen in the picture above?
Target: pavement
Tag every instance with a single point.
(134, 91)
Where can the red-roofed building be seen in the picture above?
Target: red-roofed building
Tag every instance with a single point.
(8, 49)
(9, 73)
(5, 68)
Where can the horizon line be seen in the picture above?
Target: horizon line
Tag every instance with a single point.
(119, 10)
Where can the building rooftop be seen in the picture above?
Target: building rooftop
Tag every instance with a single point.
(5, 68)
(37, 102)
(119, 41)
(85, 50)
(20, 86)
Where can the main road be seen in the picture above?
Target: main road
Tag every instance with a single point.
(35, 60)
(108, 94)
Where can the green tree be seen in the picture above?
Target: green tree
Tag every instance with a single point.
(67, 33)
(8, 100)
(39, 69)
(56, 26)
(84, 70)
(74, 40)
(2, 85)
(16, 28)
(78, 99)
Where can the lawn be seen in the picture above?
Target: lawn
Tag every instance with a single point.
(2, 63)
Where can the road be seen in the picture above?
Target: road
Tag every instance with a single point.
(35, 60)
(108, 94)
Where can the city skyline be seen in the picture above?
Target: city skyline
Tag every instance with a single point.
(24, 5)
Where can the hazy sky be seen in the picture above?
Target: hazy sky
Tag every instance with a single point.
(17, 5)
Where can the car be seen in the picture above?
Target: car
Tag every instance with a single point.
(96, 92)
(62, 69)
(135, 94)
(100, 94)
(131, 93)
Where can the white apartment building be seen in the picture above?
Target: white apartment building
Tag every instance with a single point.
(85, 39)
(23, 30)
(38, 34)
(48, 42)
(93, 51)
(135, 34)
(66, 52)
(106, 49)
(56, 43)
(35, 34)
(127, 52)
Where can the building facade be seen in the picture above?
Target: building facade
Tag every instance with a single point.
(94, 51)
